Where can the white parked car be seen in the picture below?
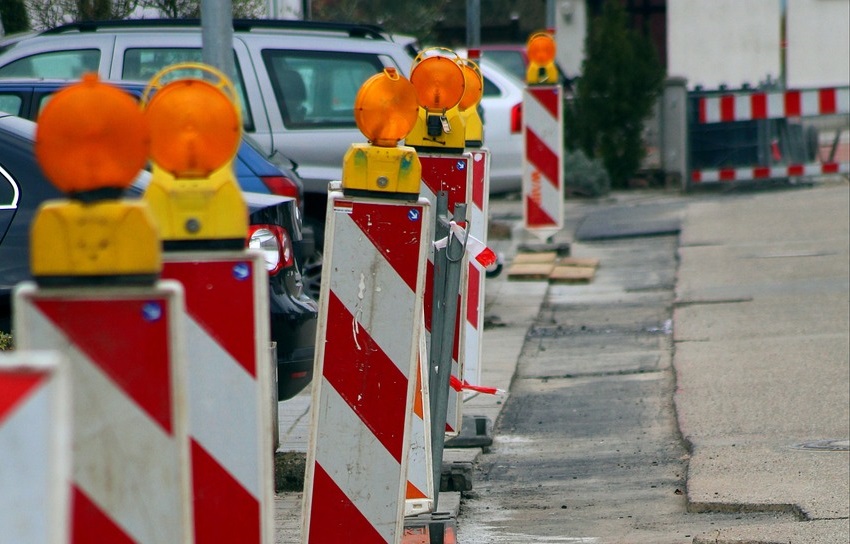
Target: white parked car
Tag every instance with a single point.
(502, 107)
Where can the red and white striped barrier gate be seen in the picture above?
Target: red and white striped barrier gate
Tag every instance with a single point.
(543, 171)
(35, 448)
(130, 448)
(367, 349)
(752, 106)
(230, 419)
(478, 214)
(452, 174)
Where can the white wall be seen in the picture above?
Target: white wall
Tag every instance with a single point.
(732, 42)
(570, 31)
(818, 51)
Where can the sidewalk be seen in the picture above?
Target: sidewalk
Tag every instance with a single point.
(761, 357)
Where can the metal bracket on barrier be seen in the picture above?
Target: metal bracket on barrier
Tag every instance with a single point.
(447, 273)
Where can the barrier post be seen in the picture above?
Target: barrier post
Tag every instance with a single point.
(226, 291)
(35, 447)
(97, 299)
(440, 139)
(367, 343)
(543, 135)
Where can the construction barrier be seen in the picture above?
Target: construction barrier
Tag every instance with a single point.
(451, 174)
(35, 448)
(366, 359)
(419, 495)
(478, 213)
(752, 135)
(230, 419)
(543, 172)
(130, 458)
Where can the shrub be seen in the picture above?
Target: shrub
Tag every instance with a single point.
(620, 82)
(5, 341)
(584, 176)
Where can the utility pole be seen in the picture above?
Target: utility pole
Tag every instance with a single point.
(473, 23)
(217, 35)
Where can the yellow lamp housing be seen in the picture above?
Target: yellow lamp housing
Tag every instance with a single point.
(394, 172)
(440, 85)
(541, 60)
(472, 94)
(198, 213)
(195, 134)
(105, 241)
(91, 141)
(385, 109)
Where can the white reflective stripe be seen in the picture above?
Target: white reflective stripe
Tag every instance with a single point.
(842, 100)
(545, 126)
(367, 479)
(712, 110)
(810, 103)
(743, 107)
(228, 431)
(775, 105)
(361, 274)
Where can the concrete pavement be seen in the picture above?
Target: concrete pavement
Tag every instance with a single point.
(761, 355)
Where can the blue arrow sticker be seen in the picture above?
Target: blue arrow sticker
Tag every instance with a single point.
(461, 165)
(241, 271)
(152, 311)
(413, 215)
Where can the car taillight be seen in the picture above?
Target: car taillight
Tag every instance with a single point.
(516, 118)
(275, 244)
(282, 185)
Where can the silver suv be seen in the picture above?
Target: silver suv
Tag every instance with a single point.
(297, 80)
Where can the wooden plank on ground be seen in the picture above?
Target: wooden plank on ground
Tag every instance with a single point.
(530, 271)
(535, 258)
(572, 274)
(589, 262)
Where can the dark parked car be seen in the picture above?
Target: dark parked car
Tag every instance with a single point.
(275, 222)
(255, 172)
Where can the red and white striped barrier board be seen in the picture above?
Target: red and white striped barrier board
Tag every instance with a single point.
(748, 173)
(367, 349)
(35, 448)
(478, 213)
(230, 419)
(419, 497)
(774, 105)
(452, 174)
(543, 172)
(130, 456)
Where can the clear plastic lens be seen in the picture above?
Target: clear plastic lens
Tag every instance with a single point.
(266, 241)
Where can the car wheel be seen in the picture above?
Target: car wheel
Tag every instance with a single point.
(311, 274)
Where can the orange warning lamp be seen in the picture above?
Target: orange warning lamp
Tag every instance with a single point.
(195, 134)
(541, 60)
(91, 141)
(440, 85)
(79, 151)
(468, 106)
(385, 110)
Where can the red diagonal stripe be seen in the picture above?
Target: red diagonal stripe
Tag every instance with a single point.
(542, 157)
(792, 104)
(727, 108)
(472, 295)
(396, 231)
(91, 525)
(222, 303)
(703, 110)
(537, 216)
(334, 518)
(224, 510)
(443, 174)
(478, 181)
(758, 105)
(125, 342)
(548, 98)
(15, 387)
(363, 375)
(826, 100)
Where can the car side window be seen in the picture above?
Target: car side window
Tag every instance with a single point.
(490, 89)
(11, 103)
(141, 64)
(316, 89)
(70, 64)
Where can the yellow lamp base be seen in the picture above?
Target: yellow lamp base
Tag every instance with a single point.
(108, 238)
(369, 168)
(541, 74)
(198, 210)
(474, 128)
(437, 139)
